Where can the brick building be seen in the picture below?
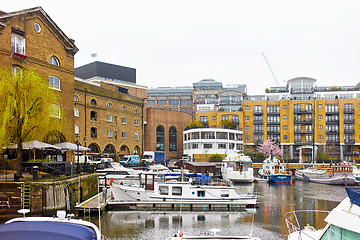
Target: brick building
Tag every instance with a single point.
(30, 39)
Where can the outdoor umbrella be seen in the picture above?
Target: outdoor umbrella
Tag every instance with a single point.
(34, 145)
(71, 146)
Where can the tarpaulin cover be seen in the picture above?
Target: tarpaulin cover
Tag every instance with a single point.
(354, 195)
(45, 230)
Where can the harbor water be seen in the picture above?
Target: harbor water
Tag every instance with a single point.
(266, 221)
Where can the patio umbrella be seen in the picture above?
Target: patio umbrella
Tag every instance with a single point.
(34, 145)
(71, 147)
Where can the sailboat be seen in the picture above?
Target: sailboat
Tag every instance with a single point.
(274, 171)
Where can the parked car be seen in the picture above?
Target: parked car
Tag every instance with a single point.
(130, 161)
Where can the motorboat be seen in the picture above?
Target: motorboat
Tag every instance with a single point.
(274, 171)
(179, 191)
(213, 234)
(341, 223)
(116, 172)
(62, 226)
(162, 172)
(237, 168)
(338, 174)
(356, 173)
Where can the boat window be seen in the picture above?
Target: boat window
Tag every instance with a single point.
(164, 190)
(339, 234)
(224, 193)
(201, 193)
(177, 191)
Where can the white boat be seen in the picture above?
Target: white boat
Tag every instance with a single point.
(341, 174)
(213, 234)
(116, 172)
(179, 191)
(237, 168)
(60, 227)
(274, 171)
(342, 223)
(162, 172)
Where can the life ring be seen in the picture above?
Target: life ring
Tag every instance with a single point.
(111, 181)
(180, 234)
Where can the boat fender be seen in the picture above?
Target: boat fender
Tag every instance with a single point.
(111, 181)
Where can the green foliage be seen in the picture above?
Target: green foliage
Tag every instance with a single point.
(259, 156)
(216, 158)
(227, 123)
(8, 163)
(194, 124)
(323, 156)
(26, 104)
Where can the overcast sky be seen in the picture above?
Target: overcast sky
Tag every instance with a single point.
(176, 43)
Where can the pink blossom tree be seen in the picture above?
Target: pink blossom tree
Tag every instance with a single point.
(270, 146)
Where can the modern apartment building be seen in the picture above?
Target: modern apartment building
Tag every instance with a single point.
(304, 120)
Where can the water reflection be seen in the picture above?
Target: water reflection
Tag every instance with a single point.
(274, 201)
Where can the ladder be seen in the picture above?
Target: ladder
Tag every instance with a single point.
(26, 195)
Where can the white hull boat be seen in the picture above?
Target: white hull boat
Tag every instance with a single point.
(174, 191)
(342, 223)
(117, 172)
(237, 168)
(335, 175)
(60, 227)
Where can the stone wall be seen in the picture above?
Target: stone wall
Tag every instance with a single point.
(47, 197)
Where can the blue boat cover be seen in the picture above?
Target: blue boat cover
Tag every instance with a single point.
(354, 195)
(36, 230)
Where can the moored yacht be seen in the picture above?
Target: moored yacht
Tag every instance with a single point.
(274, 171)
(342, 223)
(237, 168)
(116, 172)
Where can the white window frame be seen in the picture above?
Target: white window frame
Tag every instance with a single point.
(77, 129)
(109, 117)
(136, 122)
(76, 112)
(137, 136)
(123, 135)
(55, 111)
(54, 82)
(54, 61)
(18, 44)
(123, 120)
(109, 105)
(109, 133)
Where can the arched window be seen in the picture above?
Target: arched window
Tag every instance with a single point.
(54, 61)
(109, 105)
(94, 148)
(172, 139)
(160, 138)
(109, 149)
(93, 102)
(123, 108)
(54, 82)
(136, 111)
(76, 98)
(136, 150)
(76, 112)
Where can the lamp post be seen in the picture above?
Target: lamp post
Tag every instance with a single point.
(78, 163)
(85, 151)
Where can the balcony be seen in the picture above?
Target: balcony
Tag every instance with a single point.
(303, 111)
(258, 122)
(349, 141)
(257, 132)
(258, 142)
(18, 52)
(273, 123)
(333, 131)
(349, 110)
(258, 113)
(332, 122)
(304, 121)
(350, 131)
(332, 141)
(332, 113)
(352, 121)
(273, 113)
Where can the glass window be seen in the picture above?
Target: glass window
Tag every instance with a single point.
(54, 61)
(150, 102)
(172, 139)
(77, 129)
(160, 138)
(17, 44)
(207, 145)
(93, 116)
(55, 111)
(162, 102)
(136, 111)
(93, 102)
(93, 132)
(109, 117)
(54, 82)
(123, 120)
(164, 190)
(123, 108)
(173, 102)
(109, 105)
(137, 136)
(177, 191)
(136, 122)
(76, 112)
(185, 102)
(123, 135)
(109, 133)
(76, 98)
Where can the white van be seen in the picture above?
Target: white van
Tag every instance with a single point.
(89, 159)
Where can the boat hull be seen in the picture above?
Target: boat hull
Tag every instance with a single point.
(280, 178)
(332, 180)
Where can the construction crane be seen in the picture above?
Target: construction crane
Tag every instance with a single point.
(271, 70)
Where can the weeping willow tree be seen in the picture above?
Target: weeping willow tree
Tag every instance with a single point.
(28, 109)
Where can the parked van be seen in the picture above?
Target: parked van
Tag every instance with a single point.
(89, 159)
(130, 161)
